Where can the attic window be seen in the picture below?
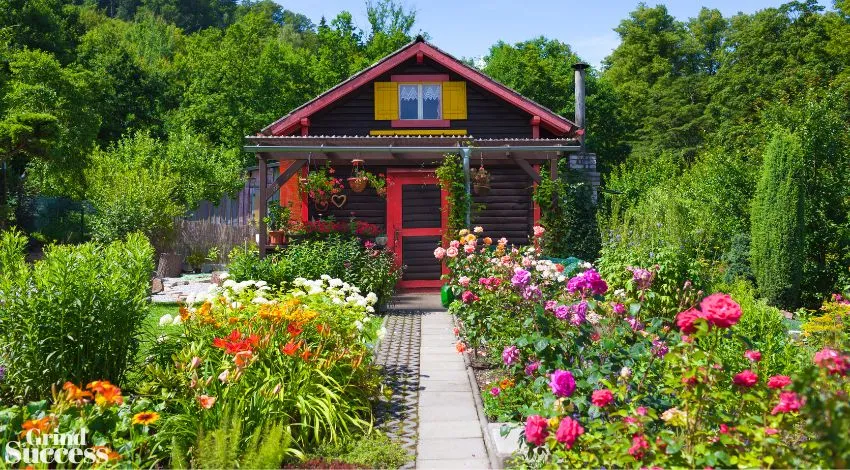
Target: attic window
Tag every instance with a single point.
(419, 100)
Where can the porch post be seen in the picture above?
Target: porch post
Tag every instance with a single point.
(263, 203)
(466, 151)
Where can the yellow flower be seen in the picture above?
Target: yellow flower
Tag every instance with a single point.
(553, 422)
(463, 232)
(145, 418)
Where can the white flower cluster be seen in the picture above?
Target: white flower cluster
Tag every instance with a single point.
(339, 291)
(167, 320)
(548, 270)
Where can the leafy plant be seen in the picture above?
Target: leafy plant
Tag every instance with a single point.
(568, 213)
(320, 184)
(453, 181)
(279, 216)
(73, 315)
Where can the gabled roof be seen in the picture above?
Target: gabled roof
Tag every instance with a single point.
(548, 119)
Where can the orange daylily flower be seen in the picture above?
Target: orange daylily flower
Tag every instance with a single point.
(206, 401)
(106, 393)
(38, 426)
(243, 358)
(290, 348)
(111, 455)
(294, 329)
(145, 418)
(76, 394)
(323, 329)
(506, 383)
(306, 355)
(184, 312)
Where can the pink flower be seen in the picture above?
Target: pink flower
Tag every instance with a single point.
(495, 391)
(532, 367)
(771, 431)
(468, 297)
(451, 252)
(619, 308)
(833, 361)
(641, 410)
(535, 430)
(753, 355)
(464, 281)
(440, 253)
(724, 429)
(639, 446)
(539, 231)
(788, 402)
(568, 431)
(454, 244)
(510, 355)
(720, 310)
(562, 383)
(746, 378)
(779, 381)
(602, 398)
(685, 320)
(468, 248)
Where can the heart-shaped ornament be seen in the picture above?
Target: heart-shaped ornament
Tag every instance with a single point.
(339, 200)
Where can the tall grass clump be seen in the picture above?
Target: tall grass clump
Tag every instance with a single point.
(74, 315)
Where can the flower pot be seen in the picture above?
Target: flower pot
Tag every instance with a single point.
(481, 189)
(277, 237)
(358, 183)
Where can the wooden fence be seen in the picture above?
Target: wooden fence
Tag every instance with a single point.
(237, 210)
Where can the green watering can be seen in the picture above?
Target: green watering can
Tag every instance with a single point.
(446, 295)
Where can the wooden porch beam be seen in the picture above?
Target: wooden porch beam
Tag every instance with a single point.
(527, 168)
(284, 177)
(263, 203)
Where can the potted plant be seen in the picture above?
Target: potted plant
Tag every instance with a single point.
(379, 182)
(359, 177)
(320, 185)
(481, 181)
(276, 223)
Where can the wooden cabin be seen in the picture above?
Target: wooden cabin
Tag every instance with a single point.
(399, 117)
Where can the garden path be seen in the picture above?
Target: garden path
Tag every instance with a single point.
(449, 430)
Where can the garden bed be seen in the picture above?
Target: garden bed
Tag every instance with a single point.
(649, 370)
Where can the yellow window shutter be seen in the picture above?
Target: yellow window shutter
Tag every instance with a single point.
(386, 101)
(454, 100)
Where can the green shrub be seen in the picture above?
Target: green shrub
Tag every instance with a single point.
(336, 256)
(569, 216)
(372, 451)
(737, 259)
(74, 315)
(778, 222)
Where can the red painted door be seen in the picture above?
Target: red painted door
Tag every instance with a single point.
(415, 225)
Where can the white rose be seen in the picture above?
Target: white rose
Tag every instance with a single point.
(166, 319)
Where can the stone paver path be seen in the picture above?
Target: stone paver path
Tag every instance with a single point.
(431, 411)
(450, 434)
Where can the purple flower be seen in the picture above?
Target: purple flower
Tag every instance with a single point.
(2, 372)
(578, 313)
(642, 277)
(587, 282)
(550, 305)
(532, 367)
(495, 391)
(562, 312)
(562, 383)
(619, 308)
(510, 355)
(659, 348)
(635, 323)
(531, 292)
(521, 278)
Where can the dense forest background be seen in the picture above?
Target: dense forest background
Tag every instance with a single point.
(98, 97)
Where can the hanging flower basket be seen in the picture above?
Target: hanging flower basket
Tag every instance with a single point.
(320, 185)
(481, 181)
(358, 183)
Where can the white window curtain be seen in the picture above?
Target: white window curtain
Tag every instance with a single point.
(431, 92)
(408, 92)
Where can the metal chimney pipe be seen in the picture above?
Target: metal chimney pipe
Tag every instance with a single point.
(580, 68)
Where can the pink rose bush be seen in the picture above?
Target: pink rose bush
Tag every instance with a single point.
(633, 373)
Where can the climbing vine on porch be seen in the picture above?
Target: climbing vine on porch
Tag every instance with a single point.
(453, 182)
